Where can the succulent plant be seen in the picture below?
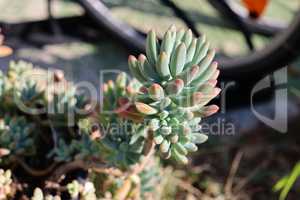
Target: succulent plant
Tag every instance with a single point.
(160, 109)
(119, 123)
(84, 191)
(178, 79)
(6, 189)
(82, 148)
(150, 178)
(15, 137)
(35, 101)
(39, 195)
(74, 189)
(34, 91)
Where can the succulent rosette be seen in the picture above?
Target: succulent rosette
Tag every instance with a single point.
(178, 78)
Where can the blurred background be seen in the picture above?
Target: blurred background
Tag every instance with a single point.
(244, 157)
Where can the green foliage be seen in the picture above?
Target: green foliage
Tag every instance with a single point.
(35, 104)
(119, 123)
(159, 111)
(285, 184)
(82, 148)
(150, 178)
(31, 90)
(16, 136)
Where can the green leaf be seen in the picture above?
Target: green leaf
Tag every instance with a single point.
(158, 139)
(189, 100)
(191, 147)
(165, 103)
(189, 74)
(156, 92)
(179, 36)
(191, 51)
(174, 138)
(162, 66)
(151, 47)
(178, 60)
(290, 182)
(175, 87)
(280, 184)
(179, 157)
(164, 114)
(188, 37)
(180, 148)
(121, 80)
(206, 61)
(206, 111)
(164, 146)
(133, 67)
(154, 124)
(206, 69)
(201, 50)
(206, 88)
(147, 71)
(168, 42)
(198, 138)
(166, 130)
(141, 132)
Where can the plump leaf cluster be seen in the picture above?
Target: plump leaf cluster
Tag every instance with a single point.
(178, 78)
(29, 90)
(16, 136)
(35, 104)
(6, 189)
(158, 111)
(120, 122)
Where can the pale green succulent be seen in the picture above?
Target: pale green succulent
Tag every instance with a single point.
(163, 106)
(16, 135)
(82, 148)
(39, 195)
(84, 191)
(179, 79)
(150, 178)
(6, 182)
(34, 91)
(38, 97)
(74, 189)
(120, 123)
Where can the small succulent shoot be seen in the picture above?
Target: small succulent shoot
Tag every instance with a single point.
(6, 182)
(178, 78)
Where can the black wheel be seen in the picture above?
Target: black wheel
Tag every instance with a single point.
(280, 51)
(122, 31)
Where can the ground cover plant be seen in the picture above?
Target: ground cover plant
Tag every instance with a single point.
(55, 143)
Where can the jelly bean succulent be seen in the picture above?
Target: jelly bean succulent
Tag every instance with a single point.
(178, 78)
(34, 104)
(108, 151)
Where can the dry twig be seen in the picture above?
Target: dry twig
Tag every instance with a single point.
(233, 170)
